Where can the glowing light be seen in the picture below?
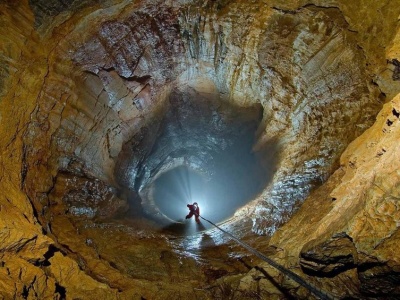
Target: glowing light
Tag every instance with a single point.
(201, 203)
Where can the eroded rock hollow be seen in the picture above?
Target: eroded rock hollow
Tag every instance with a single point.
(280, 118)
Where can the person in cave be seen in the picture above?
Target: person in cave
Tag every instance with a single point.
(194, 209)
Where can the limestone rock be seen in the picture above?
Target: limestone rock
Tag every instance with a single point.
(23, 280)
(362, 201)
(329, 258)
(83, 196)
(72, 281)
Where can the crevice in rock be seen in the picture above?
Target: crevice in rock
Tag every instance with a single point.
(49, 254)
(329, 258)
(395, 113)
(61, 291)
(25, 292)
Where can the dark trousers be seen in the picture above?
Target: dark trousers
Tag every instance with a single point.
(191, 215)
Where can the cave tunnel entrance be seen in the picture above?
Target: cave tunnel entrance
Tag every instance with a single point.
(203, 152)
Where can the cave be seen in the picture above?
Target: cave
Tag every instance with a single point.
(201, 151)
(279, 118)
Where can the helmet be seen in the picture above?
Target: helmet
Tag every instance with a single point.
(195, 203)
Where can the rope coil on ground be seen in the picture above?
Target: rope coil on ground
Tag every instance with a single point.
(318, 293)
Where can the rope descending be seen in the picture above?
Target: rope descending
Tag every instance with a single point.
(320, 294)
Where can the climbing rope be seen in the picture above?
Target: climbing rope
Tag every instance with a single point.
(320, 294)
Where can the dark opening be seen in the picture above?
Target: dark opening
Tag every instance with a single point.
(197, 150)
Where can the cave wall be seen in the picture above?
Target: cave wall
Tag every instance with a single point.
(354, 233)
(52, 95)
(196, 43)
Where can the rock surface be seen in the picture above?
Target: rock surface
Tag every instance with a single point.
(329, 258)
(81, 82)
(360, 200)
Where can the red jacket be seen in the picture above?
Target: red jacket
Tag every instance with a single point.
(193, 209)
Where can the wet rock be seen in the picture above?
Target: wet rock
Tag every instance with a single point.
(87, 197)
